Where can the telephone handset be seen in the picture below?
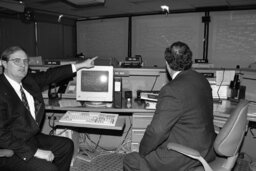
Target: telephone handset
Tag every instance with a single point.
(52, 91)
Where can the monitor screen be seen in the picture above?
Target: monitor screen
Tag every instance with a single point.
(95, 84)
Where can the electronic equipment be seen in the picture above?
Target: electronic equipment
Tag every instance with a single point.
(150, 105)
(149, 95)
(93, 118)
(132, 62)
(128, 99)
(117, 92)
(201, 61)
(237, 90)
(128, 94)
(63, 85)
(37, 60)
(52, 91)
(220, 91)
(94, 86)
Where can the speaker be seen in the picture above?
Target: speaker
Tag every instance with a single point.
(117, 92)
(241, 94)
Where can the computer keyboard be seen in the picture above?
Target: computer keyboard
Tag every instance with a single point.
(94, 118)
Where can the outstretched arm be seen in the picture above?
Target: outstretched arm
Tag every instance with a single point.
(89, 63)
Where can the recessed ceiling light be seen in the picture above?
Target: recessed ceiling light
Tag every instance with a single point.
(165, 8)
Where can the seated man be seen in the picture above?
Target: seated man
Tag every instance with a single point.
(184, 115)
(22, 113)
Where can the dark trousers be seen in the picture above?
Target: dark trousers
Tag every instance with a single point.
(134, 162)
(61, 147)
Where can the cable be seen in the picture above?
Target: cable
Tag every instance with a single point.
(114, 149)
(97, 143)
(62, 131)
(125, 137)
(250, 129)
(154, 83)
(88, 137)
(223, 74)
(53, 123)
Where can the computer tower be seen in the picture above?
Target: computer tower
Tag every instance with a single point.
(117, 92)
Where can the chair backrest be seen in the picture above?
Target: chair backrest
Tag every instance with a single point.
(230, 137)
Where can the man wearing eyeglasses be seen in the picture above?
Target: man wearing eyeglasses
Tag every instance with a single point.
(22, 111)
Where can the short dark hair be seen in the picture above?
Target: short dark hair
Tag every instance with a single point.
(179, 56)
(7, 52)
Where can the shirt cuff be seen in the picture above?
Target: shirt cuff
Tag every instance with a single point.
(73, 68)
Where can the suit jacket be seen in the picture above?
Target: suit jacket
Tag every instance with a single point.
(184, 115)
(17, 126)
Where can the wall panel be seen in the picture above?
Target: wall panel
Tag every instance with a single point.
(15, 32)
(152, 34)
(232, 38)
(104, 38)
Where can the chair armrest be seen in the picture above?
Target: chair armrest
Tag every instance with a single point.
(187, 151)
(183, 149)
(6, 153)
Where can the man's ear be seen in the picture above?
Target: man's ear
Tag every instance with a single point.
(4, 63)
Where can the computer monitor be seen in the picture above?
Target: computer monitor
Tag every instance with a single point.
(95, 85)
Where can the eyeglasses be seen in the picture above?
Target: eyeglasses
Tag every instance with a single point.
(18, 61)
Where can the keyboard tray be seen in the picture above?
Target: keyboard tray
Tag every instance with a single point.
(94, 118)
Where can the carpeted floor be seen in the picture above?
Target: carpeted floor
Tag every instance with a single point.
(103, 162)
(114, 162)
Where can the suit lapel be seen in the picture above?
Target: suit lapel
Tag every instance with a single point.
(10, 92)
(38, 105)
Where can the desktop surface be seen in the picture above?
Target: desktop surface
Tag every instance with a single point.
(77, 106)
(222, 109)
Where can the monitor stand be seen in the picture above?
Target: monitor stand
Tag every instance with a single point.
(95, 104)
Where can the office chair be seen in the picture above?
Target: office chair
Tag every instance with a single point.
(226, 144)
(6, 153)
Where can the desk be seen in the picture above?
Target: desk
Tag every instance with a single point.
(222, 112)
(133, 118)
(142, 117)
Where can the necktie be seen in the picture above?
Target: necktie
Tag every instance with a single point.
(23, 98)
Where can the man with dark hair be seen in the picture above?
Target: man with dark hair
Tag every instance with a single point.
(22, 111)
(184, 115)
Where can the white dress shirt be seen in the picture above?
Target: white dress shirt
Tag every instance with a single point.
(16, 87)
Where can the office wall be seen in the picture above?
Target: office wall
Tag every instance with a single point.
(47, 39)
(151, 35)
(104, 38)
(56, 41)
(15, 32)
(232, 36)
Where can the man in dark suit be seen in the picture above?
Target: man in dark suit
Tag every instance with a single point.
(184, 115)
(21, 114)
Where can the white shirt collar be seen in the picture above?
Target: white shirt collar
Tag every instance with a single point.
(175, 74)
(16, 87)
(13, 83)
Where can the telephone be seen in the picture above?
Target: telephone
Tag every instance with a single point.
(52, 91)
(60, 88)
